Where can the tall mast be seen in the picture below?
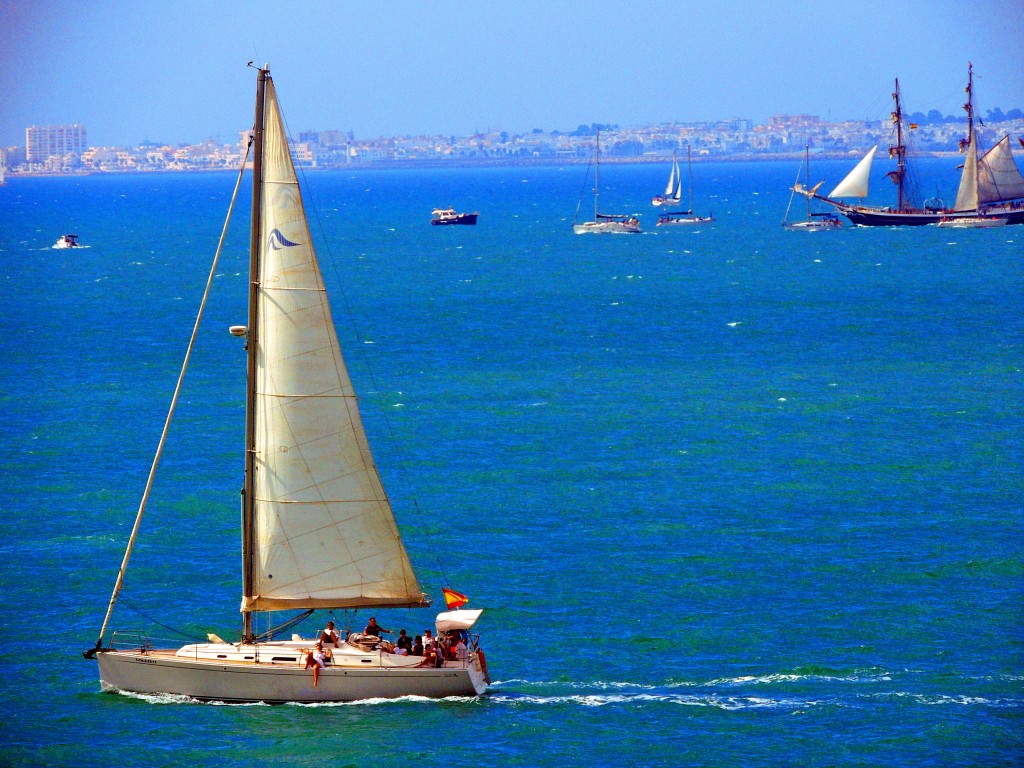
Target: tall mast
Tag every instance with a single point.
(248, 489)
(689, 175)
(969, 107)
(899, 151)
(597, 171)
(807, 171)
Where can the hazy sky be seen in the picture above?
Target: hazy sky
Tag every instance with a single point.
(175, 72)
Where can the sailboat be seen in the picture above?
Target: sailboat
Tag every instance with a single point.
(604, 223)
(855, 185)
(318, 531)
(673, 189)
(991, 191)
(687, 216)
(815, 222)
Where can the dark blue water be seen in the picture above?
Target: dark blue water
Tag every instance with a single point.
(730, 496)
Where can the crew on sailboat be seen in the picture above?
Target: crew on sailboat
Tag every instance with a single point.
(373, 628)
(330, 634)
(317, 659)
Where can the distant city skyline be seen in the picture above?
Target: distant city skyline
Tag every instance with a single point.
(135, 71)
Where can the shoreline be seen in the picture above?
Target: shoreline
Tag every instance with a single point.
(430, 164)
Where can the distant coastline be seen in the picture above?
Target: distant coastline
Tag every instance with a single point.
(435, 163)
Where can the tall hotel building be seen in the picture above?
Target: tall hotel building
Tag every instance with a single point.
(43, 141)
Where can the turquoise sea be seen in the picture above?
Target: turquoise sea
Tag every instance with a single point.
(729, 496)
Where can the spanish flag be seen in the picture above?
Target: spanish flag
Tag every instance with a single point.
(453, 599)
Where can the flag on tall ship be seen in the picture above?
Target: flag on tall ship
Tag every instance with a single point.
(453, 599)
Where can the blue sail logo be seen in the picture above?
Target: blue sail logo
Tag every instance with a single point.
(277, 241)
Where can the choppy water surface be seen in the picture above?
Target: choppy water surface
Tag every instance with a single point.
(729, 495)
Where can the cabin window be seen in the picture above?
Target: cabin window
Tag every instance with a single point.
(221, 656)
(283, 658)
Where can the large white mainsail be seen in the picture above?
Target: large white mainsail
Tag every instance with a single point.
(324, 534)
(856, 182)
(673, 176)
(999, 179)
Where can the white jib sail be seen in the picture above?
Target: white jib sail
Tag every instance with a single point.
(325, 534)
(999, 178)
(670, 188)
(856, 182)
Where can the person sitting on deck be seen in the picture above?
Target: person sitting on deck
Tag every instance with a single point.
(330, 635)
(403, 641)
(430, 657)
(417, 646)
(317, 659)
(373, 628)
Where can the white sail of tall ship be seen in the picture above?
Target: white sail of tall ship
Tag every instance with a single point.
(317, 528)
(991, 186)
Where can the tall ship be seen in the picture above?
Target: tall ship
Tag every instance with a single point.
(317, 528)
(856, 184)
(991, 185)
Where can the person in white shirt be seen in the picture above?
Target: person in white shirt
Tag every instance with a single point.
(330, 634)
(317, 659)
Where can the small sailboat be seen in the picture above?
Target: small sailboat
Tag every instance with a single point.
(604, 223)
(815, 222)
(317, 527)
(672, 218)
(674, 188)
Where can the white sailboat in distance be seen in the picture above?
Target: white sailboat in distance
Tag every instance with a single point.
(677, 218)
(673, 189)
(317, 527)
(604, 223)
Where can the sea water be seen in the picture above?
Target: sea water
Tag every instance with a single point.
(728, 495)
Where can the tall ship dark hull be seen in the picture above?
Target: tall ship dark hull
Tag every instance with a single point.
(867, 218)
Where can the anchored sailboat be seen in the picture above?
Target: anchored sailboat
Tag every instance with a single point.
(673, 189)
(815, 222)
(317, 527)
(605, 223)
(687, 216)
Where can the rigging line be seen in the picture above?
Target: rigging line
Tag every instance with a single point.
(579, 199)
(119, 583)
(366, 363)
(145, 615)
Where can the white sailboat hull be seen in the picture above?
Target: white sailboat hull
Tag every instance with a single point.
(606, 227)
(162, 673)
(972, 222)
